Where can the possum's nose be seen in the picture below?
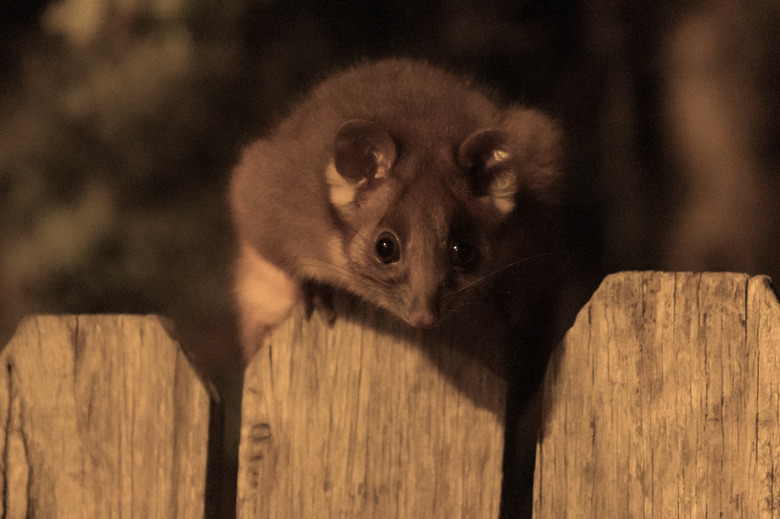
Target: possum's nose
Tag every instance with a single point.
(425, 309)
(422, 318)
(426, 281)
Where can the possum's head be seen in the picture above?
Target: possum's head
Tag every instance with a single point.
(421, 221)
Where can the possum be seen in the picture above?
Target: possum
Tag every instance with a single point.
(397, 182)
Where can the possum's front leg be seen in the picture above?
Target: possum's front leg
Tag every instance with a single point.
(318, 297)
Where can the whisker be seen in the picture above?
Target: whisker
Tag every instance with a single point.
(469, 304)
(506, 267)
(365, 283)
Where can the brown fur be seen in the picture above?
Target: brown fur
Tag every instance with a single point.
(282, 204)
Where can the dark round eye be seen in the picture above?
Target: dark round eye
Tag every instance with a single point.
(463, 254)
(387, 248)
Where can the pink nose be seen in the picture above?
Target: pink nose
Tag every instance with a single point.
(422, 319)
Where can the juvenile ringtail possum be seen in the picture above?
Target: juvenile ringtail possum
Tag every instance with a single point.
(398, 182)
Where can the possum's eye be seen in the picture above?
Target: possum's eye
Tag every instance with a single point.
(387, 248)
(463, 254)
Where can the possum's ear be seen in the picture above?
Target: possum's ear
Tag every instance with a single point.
(536, 144)
(486, 157)
(522, 155)
(363, 153)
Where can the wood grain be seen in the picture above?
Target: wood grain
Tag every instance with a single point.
(662, 402)
(100, 416)
(369, 418)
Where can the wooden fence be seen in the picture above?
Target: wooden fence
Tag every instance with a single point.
(662, 401)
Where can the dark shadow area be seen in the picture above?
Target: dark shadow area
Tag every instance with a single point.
(220, 499)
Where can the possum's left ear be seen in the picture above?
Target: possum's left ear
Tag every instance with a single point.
(486, 157)
(523, 154)
(537, 153)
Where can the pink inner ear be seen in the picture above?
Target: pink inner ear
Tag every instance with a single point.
(483, 150)
(483, 155)
(363, 150)
(356, 160)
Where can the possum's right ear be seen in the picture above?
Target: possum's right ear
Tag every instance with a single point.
(363, 153)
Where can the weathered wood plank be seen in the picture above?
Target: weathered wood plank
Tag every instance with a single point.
(369, 418)
(100, 416)
(663, 402)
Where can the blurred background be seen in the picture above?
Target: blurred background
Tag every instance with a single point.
(120, 121)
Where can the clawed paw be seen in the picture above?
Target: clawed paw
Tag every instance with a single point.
(320, 298)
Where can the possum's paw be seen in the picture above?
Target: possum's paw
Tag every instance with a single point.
(319, 297)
